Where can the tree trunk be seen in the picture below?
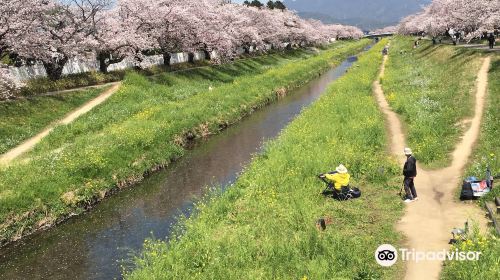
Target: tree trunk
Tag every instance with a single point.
(106, 59)
(103, 65)
(191, 57)
(207, 55)
(166, 58)
(55, 68)
(2, 51)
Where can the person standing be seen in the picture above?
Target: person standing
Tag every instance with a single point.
(410, 172)
(491, 40)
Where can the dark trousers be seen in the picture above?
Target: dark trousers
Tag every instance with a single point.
(411, 193)
(492, 45)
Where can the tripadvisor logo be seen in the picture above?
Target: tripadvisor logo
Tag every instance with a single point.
(387, 255)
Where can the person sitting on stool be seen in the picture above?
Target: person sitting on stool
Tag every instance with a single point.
(339, 178)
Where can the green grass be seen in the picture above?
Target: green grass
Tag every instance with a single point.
(141, 127)
(144, 91)
(432, 88)
(263, 226)
(23, 118)
(488, 266)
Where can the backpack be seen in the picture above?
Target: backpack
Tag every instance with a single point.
(467, 193)
(355, 192)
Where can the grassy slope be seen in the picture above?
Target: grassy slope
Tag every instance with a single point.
(263, 227)
(143, 92)
(140, 128)
(22, 119)
(432, 88)
(486, 153)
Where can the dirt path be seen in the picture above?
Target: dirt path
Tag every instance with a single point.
(427, 223)
(482, 47)
(27, 145)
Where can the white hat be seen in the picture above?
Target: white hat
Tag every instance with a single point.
(341, 169)
(408, 151)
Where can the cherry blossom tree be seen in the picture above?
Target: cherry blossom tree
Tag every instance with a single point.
(59, 32)
(211, 28)
(54, 31)
(8, 84)
(387, 29)
(15, 17)
(125, 31)
(473, 18)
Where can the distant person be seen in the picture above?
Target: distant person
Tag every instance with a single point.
(457, 37)
(410, 172)
(385, 51)
(451, 33)
(491, 40)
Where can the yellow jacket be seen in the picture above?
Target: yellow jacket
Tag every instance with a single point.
(339, 179)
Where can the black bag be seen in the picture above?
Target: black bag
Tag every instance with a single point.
(355, 192)
(467, 193)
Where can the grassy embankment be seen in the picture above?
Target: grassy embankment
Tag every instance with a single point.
(486, 154)
(23, 118)
(263, 227)
(140, 128)
(432, 88)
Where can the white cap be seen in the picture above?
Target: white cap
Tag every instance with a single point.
(341, 169)
(408, 151)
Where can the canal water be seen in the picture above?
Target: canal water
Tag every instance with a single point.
(94, 245)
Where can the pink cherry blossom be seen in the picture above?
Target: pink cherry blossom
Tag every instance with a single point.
(473, 18)
(54, 32)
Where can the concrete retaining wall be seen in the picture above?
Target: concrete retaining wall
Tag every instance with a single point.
(76, 66)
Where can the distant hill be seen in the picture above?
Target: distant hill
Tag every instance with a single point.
(363, 23)
(367, 14)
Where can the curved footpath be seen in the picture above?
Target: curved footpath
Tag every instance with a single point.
(428, 222)
(27, 145)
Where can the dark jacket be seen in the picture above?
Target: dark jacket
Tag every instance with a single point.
(410, 168)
